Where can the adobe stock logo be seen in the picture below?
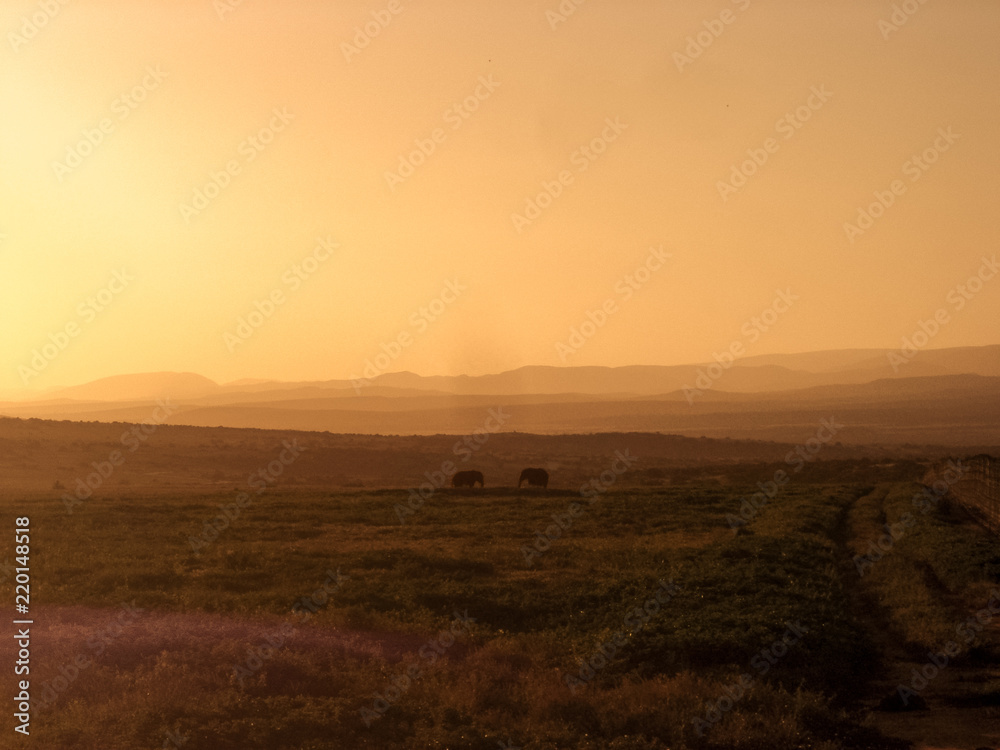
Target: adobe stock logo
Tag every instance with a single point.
(224, 7)
(122, 106)
(562, 12)
(901, 15)
(786, 126)
(264, 309)
(582, 158)
(420, 319)
(87, 312)
(703, 39)
(456, 116)
(31, 26)
(625, 288)
(915, 167)
(751, 331)
(363, 35)
(958, 297)
(250, 148)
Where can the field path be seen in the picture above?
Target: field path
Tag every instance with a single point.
(945, 725)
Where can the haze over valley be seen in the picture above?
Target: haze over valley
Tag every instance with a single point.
(942, 397)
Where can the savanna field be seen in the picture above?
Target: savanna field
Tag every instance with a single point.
(643, 617)
(298, 294)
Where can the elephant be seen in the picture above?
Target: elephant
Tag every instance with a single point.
(538, 477)
(467, 479)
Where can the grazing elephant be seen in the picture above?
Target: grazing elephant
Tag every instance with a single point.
(467, 479)
(538, 477)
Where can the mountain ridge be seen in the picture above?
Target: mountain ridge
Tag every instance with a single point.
(757, 373)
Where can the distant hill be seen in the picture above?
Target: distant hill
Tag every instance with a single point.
(771, 372)
(946, 396)
(141, 387)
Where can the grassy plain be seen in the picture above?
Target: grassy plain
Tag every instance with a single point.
(320, 620)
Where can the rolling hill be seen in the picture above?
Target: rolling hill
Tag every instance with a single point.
(945, 396)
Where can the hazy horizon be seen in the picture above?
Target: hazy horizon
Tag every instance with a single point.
(260, 190)
(748, 360)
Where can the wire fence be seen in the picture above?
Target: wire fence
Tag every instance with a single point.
(978, 489)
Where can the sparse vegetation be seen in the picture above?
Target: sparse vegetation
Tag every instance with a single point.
(174, 669)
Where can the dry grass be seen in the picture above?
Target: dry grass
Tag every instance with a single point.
(173, 668)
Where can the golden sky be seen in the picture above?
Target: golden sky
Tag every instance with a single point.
(473, 178)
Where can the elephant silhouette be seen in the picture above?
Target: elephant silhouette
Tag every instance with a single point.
(467, 479)
(538, 477)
